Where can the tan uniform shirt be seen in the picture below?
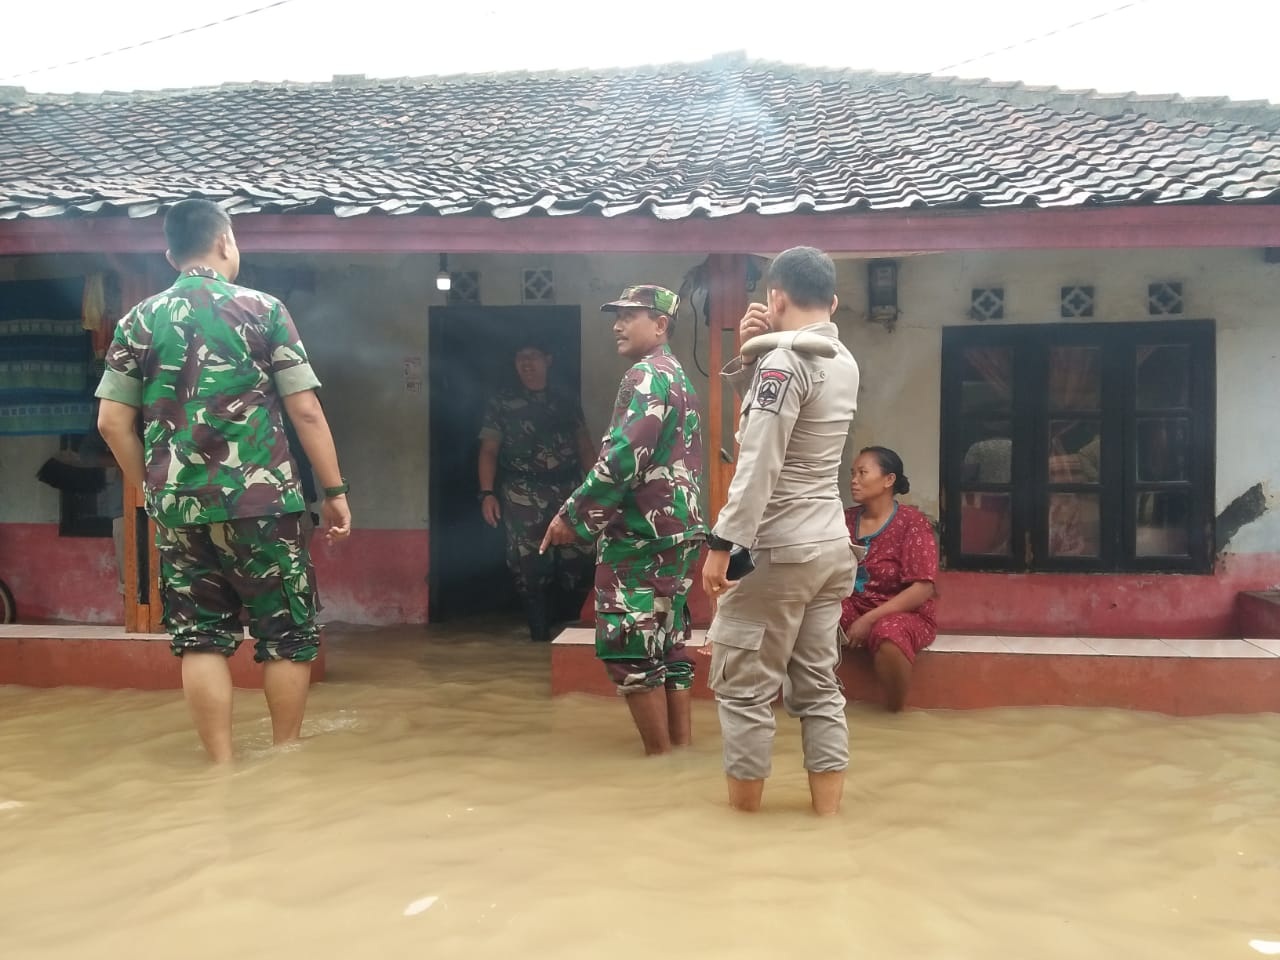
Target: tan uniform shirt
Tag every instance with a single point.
(797, 410)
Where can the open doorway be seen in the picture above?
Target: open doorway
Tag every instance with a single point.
(471, 353)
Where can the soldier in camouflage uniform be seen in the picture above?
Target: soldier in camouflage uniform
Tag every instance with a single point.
(641, 503)
(211, 365)
(534, 449)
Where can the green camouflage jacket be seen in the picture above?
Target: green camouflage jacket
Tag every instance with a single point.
(208, 362)
(643, 491)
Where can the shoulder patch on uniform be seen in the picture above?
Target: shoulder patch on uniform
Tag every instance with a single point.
(771, 387)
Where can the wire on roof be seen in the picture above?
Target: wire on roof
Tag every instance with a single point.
(1045, 36)
(1102, 15)
(144, 43)
(1056, 31)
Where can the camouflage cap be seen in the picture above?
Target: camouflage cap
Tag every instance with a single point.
(647, 297)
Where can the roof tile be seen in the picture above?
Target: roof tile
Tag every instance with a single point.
(674, 142)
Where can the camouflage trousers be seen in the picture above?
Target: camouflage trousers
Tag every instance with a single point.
(527, 510)
(642, 616)
(211, 572)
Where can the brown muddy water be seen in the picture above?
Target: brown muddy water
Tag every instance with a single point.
(444, 806)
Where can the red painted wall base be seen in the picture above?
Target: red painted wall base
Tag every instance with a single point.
(59, 578)
(375, 577)
(1164, 606)
(1260, 614)
(379, 577)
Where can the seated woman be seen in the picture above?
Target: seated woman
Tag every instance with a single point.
(891, 609)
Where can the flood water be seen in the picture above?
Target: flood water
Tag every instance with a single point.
(444, 806)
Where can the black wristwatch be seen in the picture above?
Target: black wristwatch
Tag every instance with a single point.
(719, 543)
(485, 494)
(338, 490)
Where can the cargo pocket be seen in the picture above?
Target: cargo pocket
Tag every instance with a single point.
(737, 671)
(800, 553)
(790, 580)
(624, 623)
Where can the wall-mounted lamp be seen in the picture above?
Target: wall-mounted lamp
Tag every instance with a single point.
(882, 291)
(443, 280)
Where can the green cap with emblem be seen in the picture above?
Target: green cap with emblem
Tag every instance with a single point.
(646, 296)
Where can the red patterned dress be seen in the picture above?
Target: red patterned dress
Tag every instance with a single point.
(904, 551)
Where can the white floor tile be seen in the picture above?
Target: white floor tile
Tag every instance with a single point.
(1131, 648)
(1056, 646)
(963, 644)
(1220, 649)
(1271, 646)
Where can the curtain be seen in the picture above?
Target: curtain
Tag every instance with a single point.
(47, 374)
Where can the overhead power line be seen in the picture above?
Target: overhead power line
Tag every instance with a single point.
(146, 43)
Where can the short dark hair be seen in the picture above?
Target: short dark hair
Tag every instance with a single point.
(890, 462)
(191, 227)
(671, 321)
(806, 275)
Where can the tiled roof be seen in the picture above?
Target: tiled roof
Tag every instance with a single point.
(710, 139)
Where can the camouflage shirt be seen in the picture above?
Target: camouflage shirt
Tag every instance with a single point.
(208, 361)
(537, 433)
(644, 488)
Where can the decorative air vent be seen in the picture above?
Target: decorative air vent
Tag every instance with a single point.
(1077, 302)
(538, 286)
(987, 303)
(1164, 299)
(465, 287)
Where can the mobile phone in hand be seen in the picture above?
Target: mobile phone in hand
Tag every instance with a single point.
(740, 563)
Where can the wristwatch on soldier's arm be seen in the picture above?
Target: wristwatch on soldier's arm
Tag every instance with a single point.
(484, 495)
(338, 491)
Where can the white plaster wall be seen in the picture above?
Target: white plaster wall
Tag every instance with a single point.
(901, 371)
(363, 318)
(368, 313)
(23, 498)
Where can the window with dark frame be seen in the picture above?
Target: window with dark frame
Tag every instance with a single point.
(1078, 447)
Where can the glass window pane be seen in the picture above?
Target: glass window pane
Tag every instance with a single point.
(985, 524)
(1075, 451)
(1164, 521)
(1075, 528)
(1164, 449)
(1164, 376)
(986, 379)
(1075, 378)
(988, 455)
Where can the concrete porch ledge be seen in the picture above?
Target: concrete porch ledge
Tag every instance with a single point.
(108, 658)
(1178, 677)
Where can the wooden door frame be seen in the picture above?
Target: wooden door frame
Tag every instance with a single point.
(143, 612)
(727, 284)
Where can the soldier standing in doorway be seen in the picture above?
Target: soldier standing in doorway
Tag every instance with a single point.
(641, 502)
(534, 449)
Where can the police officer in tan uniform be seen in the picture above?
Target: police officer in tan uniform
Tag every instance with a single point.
(779, 625)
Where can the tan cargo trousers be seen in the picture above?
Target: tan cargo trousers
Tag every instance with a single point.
(780, 627)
